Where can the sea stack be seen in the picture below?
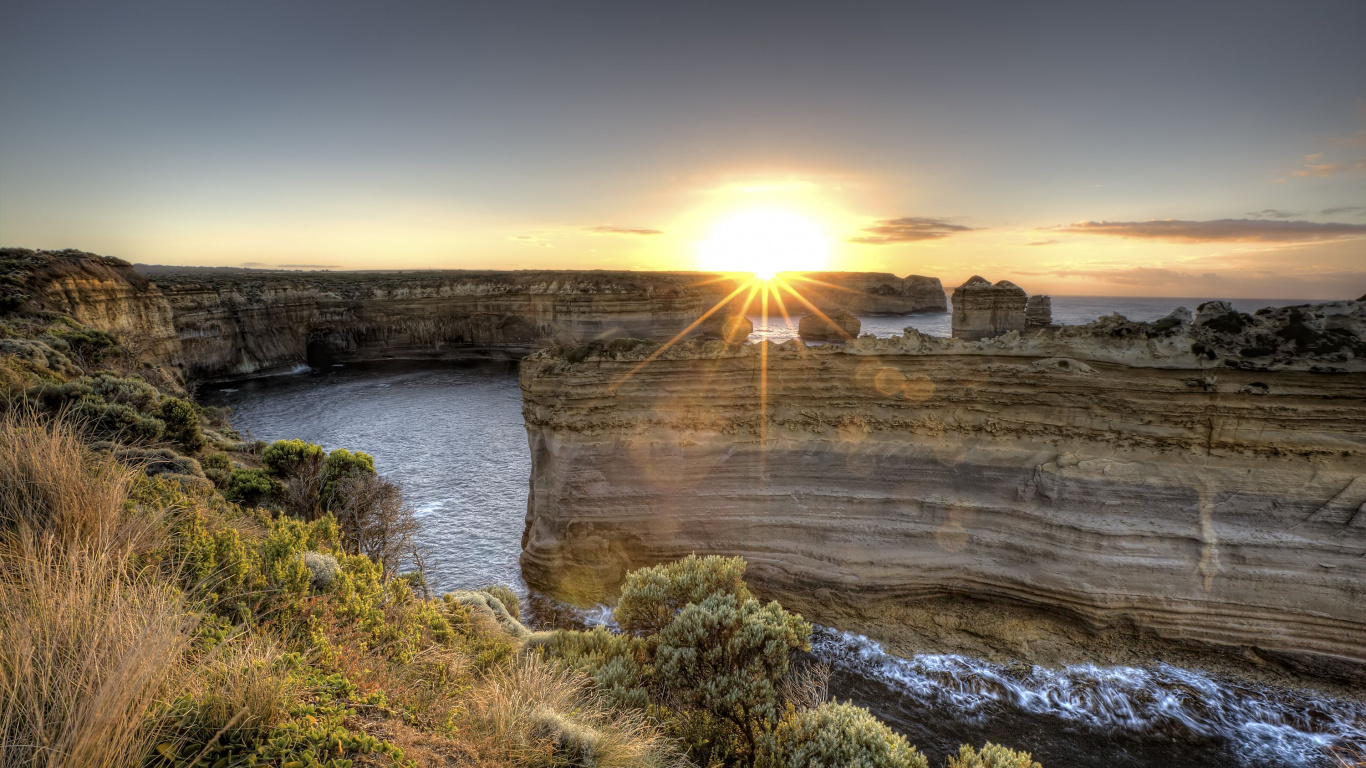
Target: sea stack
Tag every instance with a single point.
(983, 311)
(1039, 312)
(839, 325)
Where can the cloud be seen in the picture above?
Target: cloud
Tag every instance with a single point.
(1227, 230)
(1359, 210)
(310, 266)
(609, 230)
(1146, 276)
(1271, 213)
(908, 229)
(1314, 167)
(530, 240)
(1042, 242)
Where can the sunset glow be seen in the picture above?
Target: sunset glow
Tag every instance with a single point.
(766, 242)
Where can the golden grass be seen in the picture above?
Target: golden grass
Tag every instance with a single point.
(88, 642)
(530, 713)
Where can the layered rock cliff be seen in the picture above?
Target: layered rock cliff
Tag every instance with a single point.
(1048, 496)
(99, 291)
(242, 323)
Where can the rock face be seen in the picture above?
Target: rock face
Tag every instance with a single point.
(1039, 312)
(101, 292)
(984, 311)
(862, 293)
(242, 324)
(1037, 495)
(734, 329)
(838, 325)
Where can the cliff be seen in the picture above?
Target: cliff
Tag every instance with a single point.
(244, 322)
(99, 291)
(860, 293)
(225, 322)
(1074, 493)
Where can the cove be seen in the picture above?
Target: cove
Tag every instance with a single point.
(453, 437)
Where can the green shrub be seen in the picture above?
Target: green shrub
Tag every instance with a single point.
(285, 457)
(991, 756)
(217, 467)
(652, 597)
(250, 486)
(182, 423)
(728, 657)
(838, 735)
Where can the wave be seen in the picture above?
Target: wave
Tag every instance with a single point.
(1261, 724)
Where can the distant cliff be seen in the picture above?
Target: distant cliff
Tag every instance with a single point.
(1057, 495)
(223, 322)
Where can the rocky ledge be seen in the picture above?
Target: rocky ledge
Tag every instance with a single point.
(1112, 492)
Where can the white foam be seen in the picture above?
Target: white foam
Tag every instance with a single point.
(1261, 723)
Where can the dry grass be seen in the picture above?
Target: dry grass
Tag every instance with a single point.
(241, 688)
(529, 713)
(87, 641)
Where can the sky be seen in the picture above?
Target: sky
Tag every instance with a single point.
(1147, 149)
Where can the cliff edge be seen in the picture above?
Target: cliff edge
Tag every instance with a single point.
(1070, 493)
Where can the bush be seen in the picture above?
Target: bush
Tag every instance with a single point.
(991, 756)
(182, 423)
(323, 567)
(285, 457)
(839, 735)
(728, 657)
(652, 597)
(217, 467)
(250, 486)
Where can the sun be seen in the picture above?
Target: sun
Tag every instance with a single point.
(766, 241)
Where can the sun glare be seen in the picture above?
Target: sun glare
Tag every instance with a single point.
(766, 242)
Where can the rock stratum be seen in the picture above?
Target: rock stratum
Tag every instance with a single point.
(215, 323)
(1067, 493)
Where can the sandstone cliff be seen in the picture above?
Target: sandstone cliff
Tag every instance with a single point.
(1051, 496)
(101, 292)
(241, 323)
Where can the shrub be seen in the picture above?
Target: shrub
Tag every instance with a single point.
(839, 735)
(728, 657)
(652, 597)
(375, 520)
(217, 467)
(182, 423)
(283, 457)
(323, 567)
(250, 486)
(991, 756)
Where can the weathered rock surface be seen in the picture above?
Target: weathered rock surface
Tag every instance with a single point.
(838, 325)
(1035, 494)
(984, 311)
(734, 329)
(101, 292)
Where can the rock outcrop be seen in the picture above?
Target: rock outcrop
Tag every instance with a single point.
(1035, 496)
(99, 291)
(983, 311)
(1039, 312)
(838, 325)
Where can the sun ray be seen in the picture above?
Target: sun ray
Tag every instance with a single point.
(809, 279)
(665, 346)
(813, 308)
